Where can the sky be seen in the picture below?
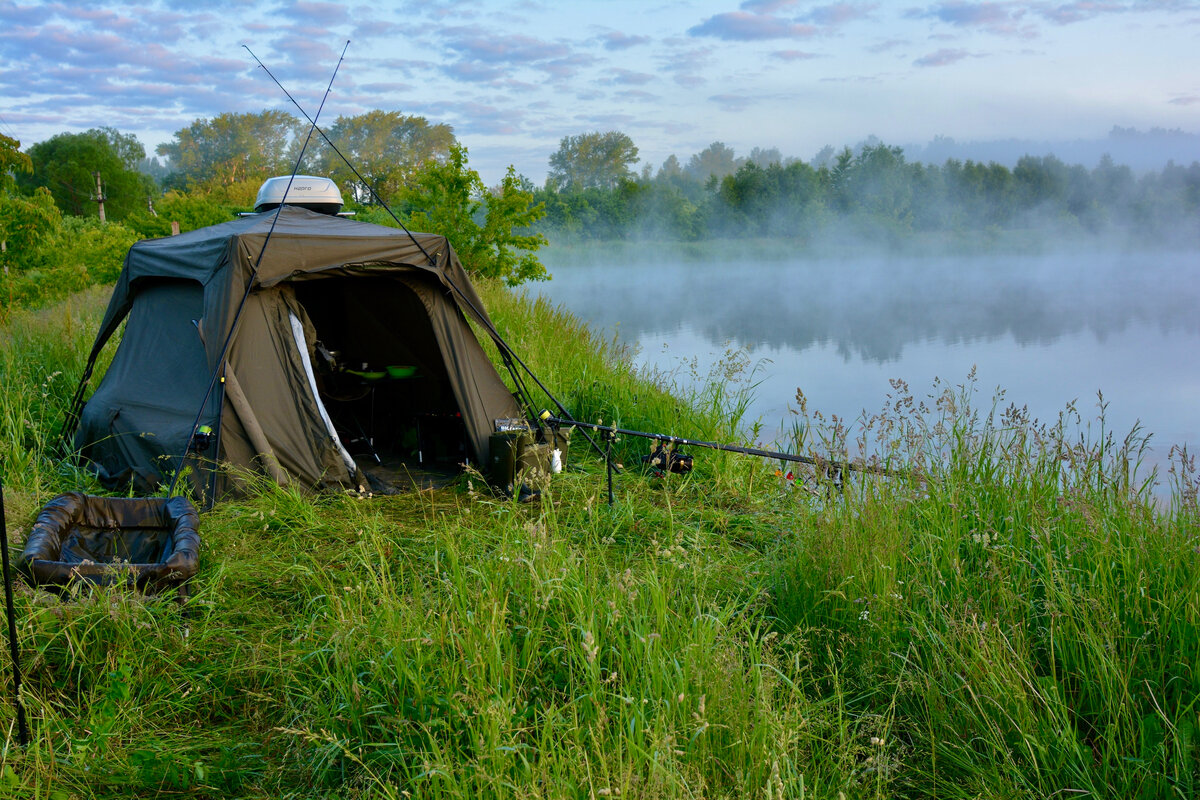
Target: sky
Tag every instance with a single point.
(514, 78)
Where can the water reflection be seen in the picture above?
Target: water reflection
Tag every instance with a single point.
(870, 309)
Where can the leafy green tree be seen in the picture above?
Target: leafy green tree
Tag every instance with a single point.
(449, 198)
(593, 161)
(765, 157)
(670, 170)
(386, 147)
(12, 161)
(715, 161)
(25, 222)
(230, 148)
(774, 200)
(66, 165)
(192, 210)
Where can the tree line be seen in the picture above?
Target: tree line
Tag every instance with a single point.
(872, 191)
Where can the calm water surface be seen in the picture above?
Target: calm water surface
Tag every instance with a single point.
(1048, 330)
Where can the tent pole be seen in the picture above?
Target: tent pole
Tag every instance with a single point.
(22, 725)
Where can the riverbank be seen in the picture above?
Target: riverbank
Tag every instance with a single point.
(1019, 620)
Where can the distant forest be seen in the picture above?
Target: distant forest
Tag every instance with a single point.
(870, 192)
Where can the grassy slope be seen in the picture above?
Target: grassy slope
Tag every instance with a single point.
(1023, 624)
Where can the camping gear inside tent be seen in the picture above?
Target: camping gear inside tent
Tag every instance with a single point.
(341, 352)
(151, 543)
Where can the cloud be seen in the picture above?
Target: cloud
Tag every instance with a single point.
(886, 44)
(375, 28)
(485, 57)
(615, 40)
(794, 55)
(638, 95)
(299, 12)
(472, 71)
(941, 58)
(613, 120)
(840, 13)
(1185, 100)
(1067, 13)
(483, 118)
(1012, 18)
(629, 77)
(479, 44)
(386, 88)
(740, 26)
(567, 66)
(766, 6)
(731, 102)
(999, 18)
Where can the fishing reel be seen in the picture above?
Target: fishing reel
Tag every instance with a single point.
(662, 461)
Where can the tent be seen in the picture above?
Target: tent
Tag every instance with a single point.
(351, 362)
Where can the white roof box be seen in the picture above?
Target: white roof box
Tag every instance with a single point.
(306, 191)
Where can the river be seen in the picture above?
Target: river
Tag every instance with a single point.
(1047, 330)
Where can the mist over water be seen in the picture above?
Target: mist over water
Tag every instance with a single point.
(1047, 329)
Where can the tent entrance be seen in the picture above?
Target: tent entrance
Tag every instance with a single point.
(383, 381)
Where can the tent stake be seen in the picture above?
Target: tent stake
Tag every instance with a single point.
(22, 725)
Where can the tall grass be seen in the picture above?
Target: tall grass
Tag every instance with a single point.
(1018, 618)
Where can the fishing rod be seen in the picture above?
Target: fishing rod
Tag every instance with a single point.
(22, 725)
(507, 353)
(432, 260)
(828, 465)
(212, 381)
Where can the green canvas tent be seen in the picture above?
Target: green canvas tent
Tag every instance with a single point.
(305, 393)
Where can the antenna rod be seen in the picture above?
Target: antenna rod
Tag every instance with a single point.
(212, 381)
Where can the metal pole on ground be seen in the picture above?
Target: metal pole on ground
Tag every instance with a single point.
(22, 725)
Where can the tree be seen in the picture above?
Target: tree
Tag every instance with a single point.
(66, 165)
(593, 161)
(765, 157)
(671, 169)
(715, 161)
(449, 198)
(230, 148)
(386, 147)
(25, 222)
(12, 161)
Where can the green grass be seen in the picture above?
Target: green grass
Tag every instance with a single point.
(1018, 620)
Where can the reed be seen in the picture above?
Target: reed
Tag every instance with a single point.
(1018, 618)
